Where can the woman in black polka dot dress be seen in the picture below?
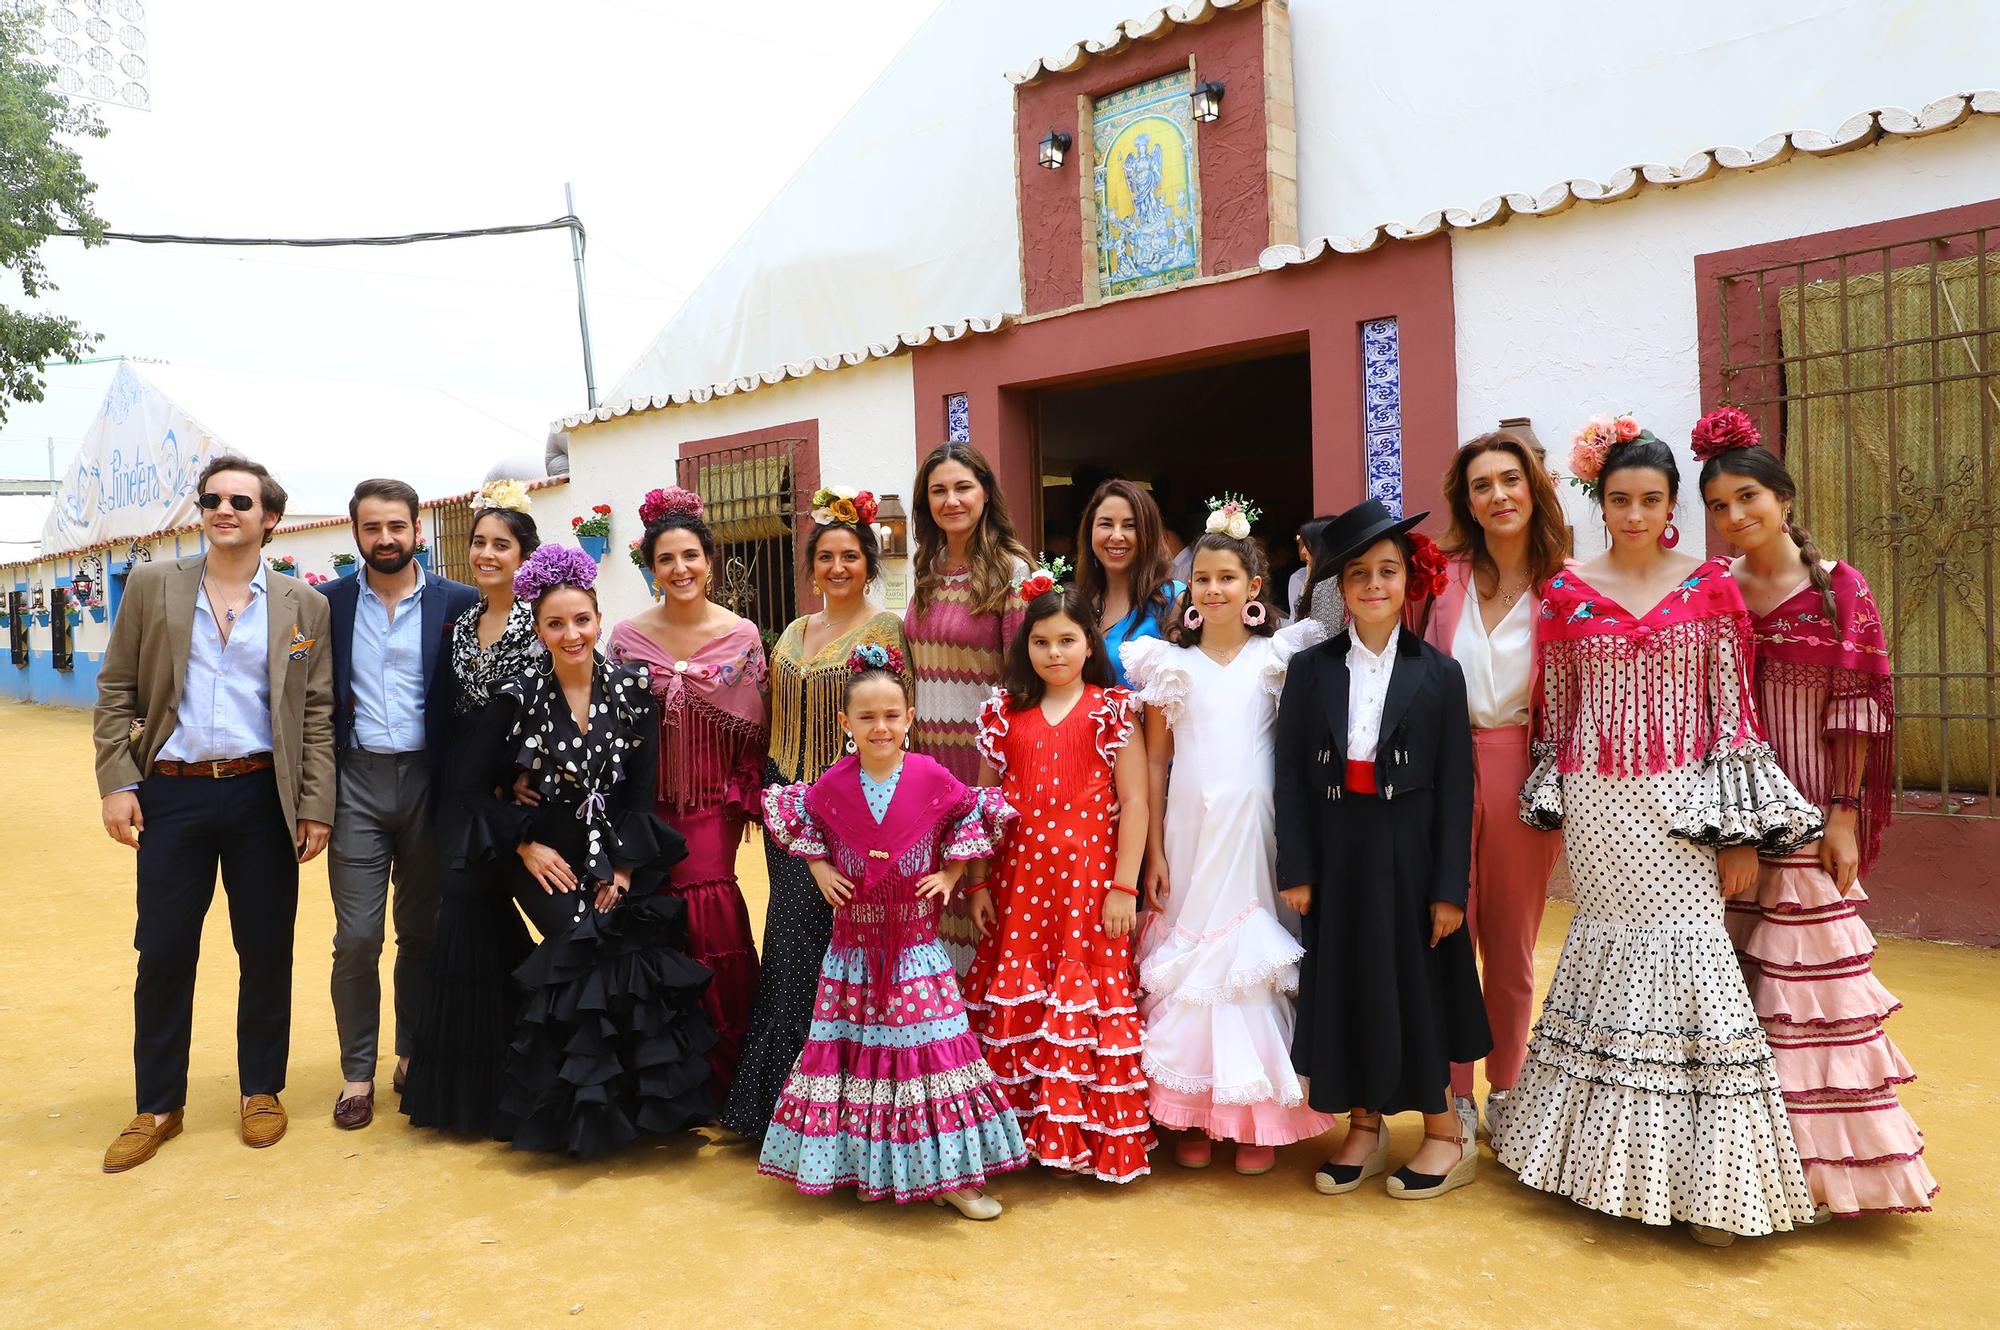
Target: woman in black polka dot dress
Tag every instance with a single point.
(1650, 1092)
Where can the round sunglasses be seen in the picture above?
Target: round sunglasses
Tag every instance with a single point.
(242, 503)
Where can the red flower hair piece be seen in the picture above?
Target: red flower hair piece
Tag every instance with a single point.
(866, 506)
(1428, 566)
(672, 501)
(1723, 430)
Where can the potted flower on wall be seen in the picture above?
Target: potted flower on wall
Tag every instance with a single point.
(423, 554)
(638, 557)
(344, 564)
(284, 563)
(593, 533)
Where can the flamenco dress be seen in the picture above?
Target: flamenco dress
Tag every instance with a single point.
(610, 1039)
(1052, 998)
(890, 1095)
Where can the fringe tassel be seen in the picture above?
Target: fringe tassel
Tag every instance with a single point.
(1648, 701)
(702, 750)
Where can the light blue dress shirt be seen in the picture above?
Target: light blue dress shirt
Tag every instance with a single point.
(225, 706)
(387, 668)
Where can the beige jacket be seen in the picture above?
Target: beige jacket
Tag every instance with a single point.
(144, 670)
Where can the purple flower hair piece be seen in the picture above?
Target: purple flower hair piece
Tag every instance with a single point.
(551, 566)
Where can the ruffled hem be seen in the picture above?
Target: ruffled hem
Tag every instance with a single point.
(612, 1040)
(1109, 1154)
(1263, 1123)
(1286, 643)
(1656, 1158)
(993, 725)
(817, 1159)
(1654, 1061)
(787, 822)
(1112, 723)
(1251, 953)
(1541, 799)
(979, 829)
(1845, 997)
(1743, 798)
(1904, 1188)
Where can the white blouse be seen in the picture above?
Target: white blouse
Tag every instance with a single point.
(1498, 666)
(1367, 693)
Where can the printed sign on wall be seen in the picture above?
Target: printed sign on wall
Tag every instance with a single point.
(135, 472)
(1148, 186)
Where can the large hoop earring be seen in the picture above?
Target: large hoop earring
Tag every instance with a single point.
(1253, 614)
(1191, 620)
(546, 666)
(1670, 537)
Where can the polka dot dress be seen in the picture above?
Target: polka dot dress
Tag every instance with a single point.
(1050, 995)
(1650, 1092)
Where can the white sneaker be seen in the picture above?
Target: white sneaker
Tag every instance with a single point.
(1468, 1116)
(1496, 1104)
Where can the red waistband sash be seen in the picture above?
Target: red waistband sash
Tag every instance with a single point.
(1360, 777)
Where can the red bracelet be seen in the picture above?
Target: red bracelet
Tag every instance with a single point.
(1133, 892)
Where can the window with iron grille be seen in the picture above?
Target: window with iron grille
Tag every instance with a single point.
(448, 531)
(1872, 368)
(17, 627)
(62, 641)
(749, 498)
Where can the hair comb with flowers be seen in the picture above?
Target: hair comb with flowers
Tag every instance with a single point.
(1428, 568)
(838, 503)
(1724, 430)
(670, 502)
(1045, 578)
(554, 565)
(508, 494)
(1232, 515)
(874, 656)
(1593, 442)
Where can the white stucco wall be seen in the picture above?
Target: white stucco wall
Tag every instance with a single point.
(867, 439)
(1594, 310)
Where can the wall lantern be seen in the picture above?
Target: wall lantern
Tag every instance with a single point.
(1054, 148)
(1208, 101)
(892, 528)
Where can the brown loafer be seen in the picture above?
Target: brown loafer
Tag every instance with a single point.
(264, 1121)
(355, 1111)
(141, 1141)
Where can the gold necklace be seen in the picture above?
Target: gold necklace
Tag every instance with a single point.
(1506, 597)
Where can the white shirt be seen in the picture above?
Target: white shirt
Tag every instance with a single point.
(1367, 693)
(1498, 666)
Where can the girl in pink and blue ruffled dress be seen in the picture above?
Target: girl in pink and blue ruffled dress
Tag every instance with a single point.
(891, 1096)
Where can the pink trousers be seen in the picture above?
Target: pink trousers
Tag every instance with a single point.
(1511, 862)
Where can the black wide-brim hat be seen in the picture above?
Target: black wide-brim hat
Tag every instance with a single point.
(1359, 527)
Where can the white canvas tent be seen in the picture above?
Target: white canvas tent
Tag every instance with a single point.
(158, 424)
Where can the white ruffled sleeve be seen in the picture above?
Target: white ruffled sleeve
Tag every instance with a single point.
(1286, 643)
(1158, 674)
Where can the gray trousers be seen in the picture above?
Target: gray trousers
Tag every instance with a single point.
(382, 833)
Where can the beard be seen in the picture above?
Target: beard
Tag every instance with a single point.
(390, 565)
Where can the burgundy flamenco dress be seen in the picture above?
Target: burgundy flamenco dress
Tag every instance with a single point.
(1824, 691)
(713, 731)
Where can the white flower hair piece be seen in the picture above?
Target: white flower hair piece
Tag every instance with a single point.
(510, 494)
(1232, 515)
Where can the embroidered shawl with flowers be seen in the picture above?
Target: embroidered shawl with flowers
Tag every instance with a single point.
(1630, 696)
(1820, 681)
(713, 717)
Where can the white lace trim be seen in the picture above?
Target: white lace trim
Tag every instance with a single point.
(1259, 1091)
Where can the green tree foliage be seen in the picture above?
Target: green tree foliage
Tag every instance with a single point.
(43, 191)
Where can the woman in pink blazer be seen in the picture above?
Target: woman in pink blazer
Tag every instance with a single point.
(1507, 538)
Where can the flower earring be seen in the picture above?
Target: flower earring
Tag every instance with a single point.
(1670, 537)
(850, 743)
(1191, 620)
(1253, 614)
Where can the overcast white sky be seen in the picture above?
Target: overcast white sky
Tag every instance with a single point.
(677, 120)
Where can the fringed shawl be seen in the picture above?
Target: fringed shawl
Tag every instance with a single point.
(713, 727)
(1819, 682)
(806, 737)
(1629, 695)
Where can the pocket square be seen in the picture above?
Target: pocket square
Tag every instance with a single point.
(301, 644)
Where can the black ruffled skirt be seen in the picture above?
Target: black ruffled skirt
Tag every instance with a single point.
(470, 1005)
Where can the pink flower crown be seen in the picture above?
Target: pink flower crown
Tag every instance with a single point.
(551, 566)
(670, 502)
(1724, 430)
(874, 656)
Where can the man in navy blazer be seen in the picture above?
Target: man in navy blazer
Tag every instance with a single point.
(393, 690)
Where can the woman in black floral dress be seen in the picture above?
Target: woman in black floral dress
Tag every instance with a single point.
(472, 997)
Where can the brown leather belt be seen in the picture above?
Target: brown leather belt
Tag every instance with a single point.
(219, 770)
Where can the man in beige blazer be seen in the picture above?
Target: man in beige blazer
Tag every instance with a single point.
(214, 734)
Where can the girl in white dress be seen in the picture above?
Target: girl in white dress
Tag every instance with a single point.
(1218, 963)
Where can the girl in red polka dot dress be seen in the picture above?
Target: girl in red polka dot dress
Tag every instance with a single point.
(1050, 994)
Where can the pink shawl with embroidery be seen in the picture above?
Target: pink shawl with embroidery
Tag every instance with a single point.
(714, 721)
(1821, 680)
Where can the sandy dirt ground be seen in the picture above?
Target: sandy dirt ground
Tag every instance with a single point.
(394, 1227)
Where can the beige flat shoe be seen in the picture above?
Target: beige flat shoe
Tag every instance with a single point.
(264, 1121)
(971, 1204)
(1711, 1237)
(140, 1141)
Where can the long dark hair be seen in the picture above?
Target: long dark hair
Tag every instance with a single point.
(1769, 470)
(1149, 591)
(1025, 687)
(1250, 553)
(993, 550)
(1309, 535)
(1548, 534)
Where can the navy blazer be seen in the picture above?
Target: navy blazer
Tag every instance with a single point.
(443, 601)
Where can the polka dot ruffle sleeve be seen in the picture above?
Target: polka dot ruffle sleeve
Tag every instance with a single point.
(980, 828)
(787, 822)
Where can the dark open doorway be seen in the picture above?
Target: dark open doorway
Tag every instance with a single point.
(1244, 426)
